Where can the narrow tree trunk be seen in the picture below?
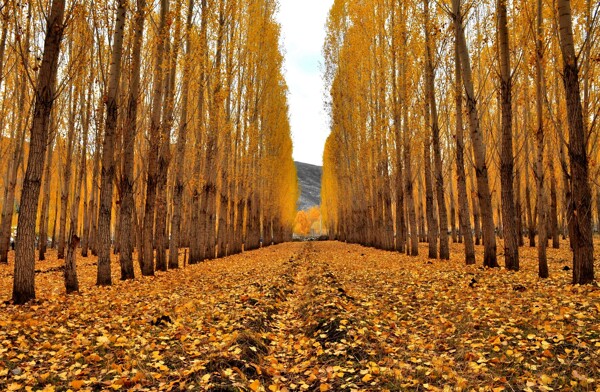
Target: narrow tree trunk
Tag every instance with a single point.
(553, 218)
(464, 216)
(147, 253)
(45, 213)
(519, 207)
(453, 215)
(479, 150)
(130, 132)
(108, 160)
(476, 215)
(196, 223)
(66, 176)
(89, 225)
(422, 233)
(213, 149)
(24, 274)
(71, 281)
(581, 217)
(164, 156)
(435, 136)
(432, 224)
(408, 174)
(55, 220)
(175, 241)
(509, 213)
(539, 164)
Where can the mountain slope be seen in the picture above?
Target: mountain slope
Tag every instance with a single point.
(309, 177)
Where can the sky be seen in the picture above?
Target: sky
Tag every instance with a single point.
(303, 34)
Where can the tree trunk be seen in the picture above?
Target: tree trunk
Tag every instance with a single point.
(56, 203)
(464, 216)
(180, 152)
(581, 217)
(108, 160)
(130, 132)
(479, 150)
(71, 281)
(519, 207)
(161, 236)
(196, 223)
(509, 213)
(24, 274)
(66, 179)
(213, 149)
(45, 214)
(553, 218)
(432, 224)
(475, 204)
(408, 174)
(89, 223)
(438, 175)
(147, 253)
(539, 164)
(453, 215)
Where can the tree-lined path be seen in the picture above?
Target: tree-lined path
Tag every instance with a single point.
(150, 196)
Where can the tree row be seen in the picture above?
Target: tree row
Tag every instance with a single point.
(142, 129)
(466, 121)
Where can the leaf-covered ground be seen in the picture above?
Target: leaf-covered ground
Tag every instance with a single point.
(307, 317)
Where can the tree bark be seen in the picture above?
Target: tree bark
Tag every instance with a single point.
(24, 274)
(408, 174)
(164, 156)
(438, 175)
(581, 212)
(509, 213)
(129, 135)
(479, 150)
(197, 242)
(180, 149)
(66, 179)
(45, 213)
(108, 160)
(432, 223)
(71, 281)
(539, 164)
(147, 253)
(464, 216)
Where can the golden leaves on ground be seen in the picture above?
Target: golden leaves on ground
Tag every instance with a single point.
(307, 317)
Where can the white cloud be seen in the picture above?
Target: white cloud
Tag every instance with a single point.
(303, 34)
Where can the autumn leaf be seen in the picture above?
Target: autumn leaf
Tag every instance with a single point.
(254, 385)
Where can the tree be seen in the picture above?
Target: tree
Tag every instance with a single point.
(127, 179)
(108, 161)
(539, 164)
(435, 136)
(580, 211)
(159, 80)
(464, 216)
(509, 213)
(479, 150)
(45, 94)
(181, 142)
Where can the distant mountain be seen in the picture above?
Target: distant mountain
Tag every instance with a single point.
(309, 177)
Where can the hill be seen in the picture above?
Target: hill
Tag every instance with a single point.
(309, 177)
